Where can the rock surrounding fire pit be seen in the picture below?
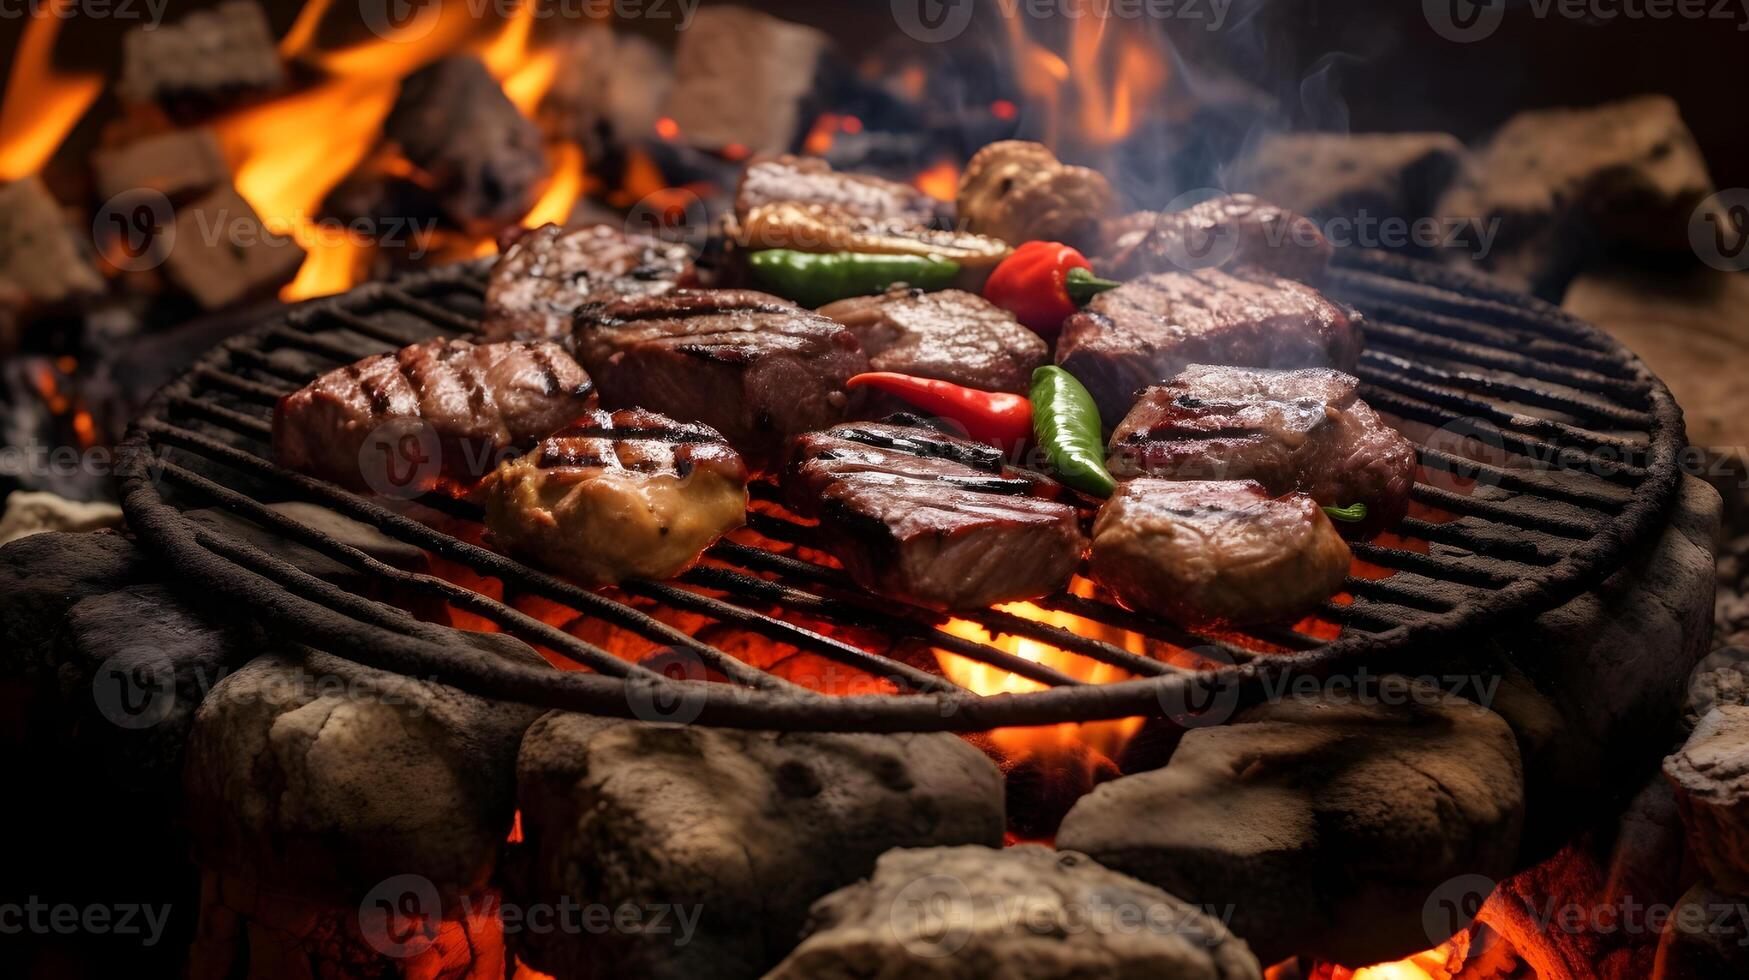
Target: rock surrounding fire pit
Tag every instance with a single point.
(1026, 912)
(1327, 175)
(741, 830)
(1324, 821)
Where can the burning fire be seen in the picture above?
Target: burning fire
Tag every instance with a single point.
(1113, 67)
(42, 105)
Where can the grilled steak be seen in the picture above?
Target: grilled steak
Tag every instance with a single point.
(396, 422)
(1150, 329)
(754, 367)
(617, 495)
(933, 520)
(1216, 553)
(1301, 431)
(543, 277)
(951, 335)
(810, 180)
(1227, 231)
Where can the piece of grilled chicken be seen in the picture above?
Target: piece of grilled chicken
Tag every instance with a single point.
(931, 519)
(1303, 431)
(399, 422)
(618, 495)
(1211, 553)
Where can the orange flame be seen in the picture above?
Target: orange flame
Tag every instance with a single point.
(940, 181)
(1094, 91)
(42, 105)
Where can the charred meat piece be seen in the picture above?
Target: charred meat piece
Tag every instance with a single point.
(1216, 553)
(756, 368)
(1019, 192)
(548, 273)
(810, 180)
(1303, 431)
(1147, 330)
(951, 335)
(618, 495)
(826, 228)
(1230, 231)
(930, 519)
(397, 422)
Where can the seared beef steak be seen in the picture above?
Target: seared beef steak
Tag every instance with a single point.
(756, 368)
(549, 272)
(617, 495)
(1147, 330)
(810, 180)
(1225, 232)
(1216, 553)
(1301, 430)
(951, 335)
(396, 422)
(933, 520)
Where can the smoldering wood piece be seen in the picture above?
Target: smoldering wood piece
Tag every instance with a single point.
(946, 906)
(177, 164)
(453, 121)
(744, 78)
(222, 253)
(206, 61)
(1315, 818)
(741, 830)
(40, 257)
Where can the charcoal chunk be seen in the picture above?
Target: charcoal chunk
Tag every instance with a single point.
(453, 121)
(222, 253)
(39, 256)
(208, 60)
(743, 78)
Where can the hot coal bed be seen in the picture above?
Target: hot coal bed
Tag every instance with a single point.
(268, 727)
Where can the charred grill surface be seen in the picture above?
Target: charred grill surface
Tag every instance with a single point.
(1585, 441)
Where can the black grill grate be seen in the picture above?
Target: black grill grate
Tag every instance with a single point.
(1571, 443)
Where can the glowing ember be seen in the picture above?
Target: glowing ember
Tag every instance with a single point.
(562, 191)
(41, 105)
(941, 181)
(1113, 67)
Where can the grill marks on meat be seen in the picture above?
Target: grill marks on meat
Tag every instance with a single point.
(396, 422)
(825, 228)
(951, 335)
(548, 273)
(1216, 553)
(809, 180)
(930, 519)
(1303, 430)
(618, 495)
(756, 368)
(1229, 231)
(1150, 329)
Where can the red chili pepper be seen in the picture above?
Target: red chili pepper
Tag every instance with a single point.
(995, 417)
(1043, 284)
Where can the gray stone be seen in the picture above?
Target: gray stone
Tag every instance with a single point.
(37, 511)
(742, 77)
(1026, 912)
(1328, 175)
(1323, 821)
(176, 164)
(325, 778)
(1711, 777)
(1721, 677)
(204, 61)
(741, 829)
(38, 254)
(1563, 184)
(41, 577)
(221, 253)
(1708, 938)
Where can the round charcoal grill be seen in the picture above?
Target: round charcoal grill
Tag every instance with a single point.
(1581, 462)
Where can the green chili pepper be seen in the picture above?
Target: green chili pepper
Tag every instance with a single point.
(817, 279)
(1066, 424)
(1352, 514)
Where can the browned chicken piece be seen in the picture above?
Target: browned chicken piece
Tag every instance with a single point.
(1216, 553)
(618, 495)
(1300, 431)
(548, 273)
(397, 423)
(756, 368)
(930, 519)
(1224, 232)
(1154, 327)
(951, 335)
(824, 228)
(1019, 191)
(810, 180)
